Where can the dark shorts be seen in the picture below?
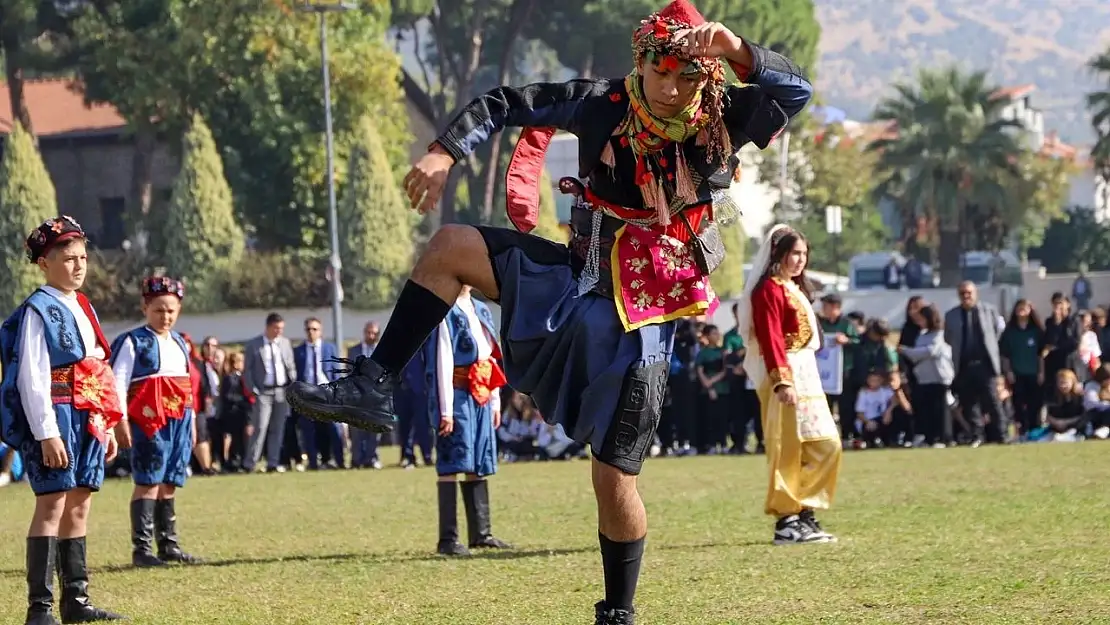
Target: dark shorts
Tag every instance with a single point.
(570, 353)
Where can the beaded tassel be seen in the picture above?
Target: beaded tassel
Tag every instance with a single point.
(656, 198)
(684, 183)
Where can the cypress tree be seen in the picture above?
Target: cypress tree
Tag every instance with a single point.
(375, 225)
(27, 199)
(202, 238)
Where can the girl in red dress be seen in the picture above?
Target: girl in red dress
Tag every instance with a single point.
(783, 337)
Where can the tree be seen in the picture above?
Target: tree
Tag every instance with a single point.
(952, 151)
(827, 167)
(377, 248)
(252, 69)
(1099, 105)
(1072, 240)
(547, 223)
(728, 280)
(27, 199)
(201, 238)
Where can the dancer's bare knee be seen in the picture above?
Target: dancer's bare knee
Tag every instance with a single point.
(457, 252)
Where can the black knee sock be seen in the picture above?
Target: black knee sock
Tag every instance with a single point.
(417, 313)
(621, 563)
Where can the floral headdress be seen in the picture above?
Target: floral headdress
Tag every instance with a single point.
(655, 42)
(156, 286)
(50, 234)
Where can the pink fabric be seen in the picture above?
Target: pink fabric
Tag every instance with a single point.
(656, 279)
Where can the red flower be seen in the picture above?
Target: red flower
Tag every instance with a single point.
(615, 97)
(643, 135)
(670, 176)
(662, 31)
(663, 162)
(624, 141)
(668, 63)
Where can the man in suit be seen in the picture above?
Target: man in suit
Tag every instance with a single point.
(269, 368)
(315, 358)
(364, 445)
(972, 330)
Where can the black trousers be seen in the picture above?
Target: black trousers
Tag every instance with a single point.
(845, 406)
(978, 396)
(743, 409)
(712, 422)
(932, 418)
(1028, 400)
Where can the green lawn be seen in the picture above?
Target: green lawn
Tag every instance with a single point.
(988, 536)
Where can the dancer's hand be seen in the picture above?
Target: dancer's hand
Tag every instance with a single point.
(712, 39)
(425, 181)
(123, 435)
(786, 395)
(496, 419)
(111, 447)
(446, 425)
(54, 453)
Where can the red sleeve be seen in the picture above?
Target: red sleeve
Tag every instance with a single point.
(768, 306)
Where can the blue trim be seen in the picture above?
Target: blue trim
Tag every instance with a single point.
(791, 91)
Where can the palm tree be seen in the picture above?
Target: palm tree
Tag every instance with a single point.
(953, 156)
(1099, 105)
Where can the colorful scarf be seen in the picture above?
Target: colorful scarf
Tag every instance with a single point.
(647, 134)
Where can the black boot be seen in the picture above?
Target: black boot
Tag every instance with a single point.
(74, 573)
(165, 523)
(449, 544)
(42, 553)
(363, 397)
(604, 616)
(476, 500)
(142, 534)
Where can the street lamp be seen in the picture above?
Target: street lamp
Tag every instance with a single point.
(321, 8)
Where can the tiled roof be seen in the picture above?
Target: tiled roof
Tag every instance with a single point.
(58, 109)
(1013, 93)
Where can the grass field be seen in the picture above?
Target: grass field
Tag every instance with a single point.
(987, 536)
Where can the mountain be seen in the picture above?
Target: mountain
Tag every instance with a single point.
(868, 44)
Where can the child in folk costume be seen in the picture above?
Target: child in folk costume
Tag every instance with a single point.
(466, 397)
(151, 366)
(58, 409)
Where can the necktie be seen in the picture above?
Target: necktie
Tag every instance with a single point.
(312, 363)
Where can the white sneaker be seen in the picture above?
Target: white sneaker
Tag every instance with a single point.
(792, 530)
(1102, 433)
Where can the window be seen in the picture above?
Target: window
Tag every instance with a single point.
(112, 227)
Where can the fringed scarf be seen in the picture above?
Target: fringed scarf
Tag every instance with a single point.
(648, 135)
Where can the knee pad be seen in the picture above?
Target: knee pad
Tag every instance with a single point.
(632, 430)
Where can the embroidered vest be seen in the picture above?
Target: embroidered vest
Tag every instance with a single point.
(65, 348)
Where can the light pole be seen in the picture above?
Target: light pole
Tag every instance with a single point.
(321, 8)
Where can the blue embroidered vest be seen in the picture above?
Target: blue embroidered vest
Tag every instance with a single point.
(148, 360)
(64, 344)
(464, 348)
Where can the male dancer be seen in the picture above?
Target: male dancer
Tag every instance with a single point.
(587, 331)
(58, 407)
(467, 397)
(151, 368)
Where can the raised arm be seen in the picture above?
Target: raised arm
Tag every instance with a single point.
(544, 104)
(775, 91)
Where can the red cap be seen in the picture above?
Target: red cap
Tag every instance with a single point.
(684, 12)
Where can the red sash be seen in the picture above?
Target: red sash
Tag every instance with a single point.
(151, 402)
(94, 390)
(485, 377)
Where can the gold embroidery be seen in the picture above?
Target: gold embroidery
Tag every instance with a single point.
(676, 291)
(636, 284)
(637, 264)
(171, 404)
(643, 300)
(781, 376)
(800, 338)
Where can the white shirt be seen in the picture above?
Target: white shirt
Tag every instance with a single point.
(873, 403)
(445, 358)
(33, 379)
(171, 364)
(273, 363)
(312, 351)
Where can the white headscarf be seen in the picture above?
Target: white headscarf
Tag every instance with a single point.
(753, 359)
